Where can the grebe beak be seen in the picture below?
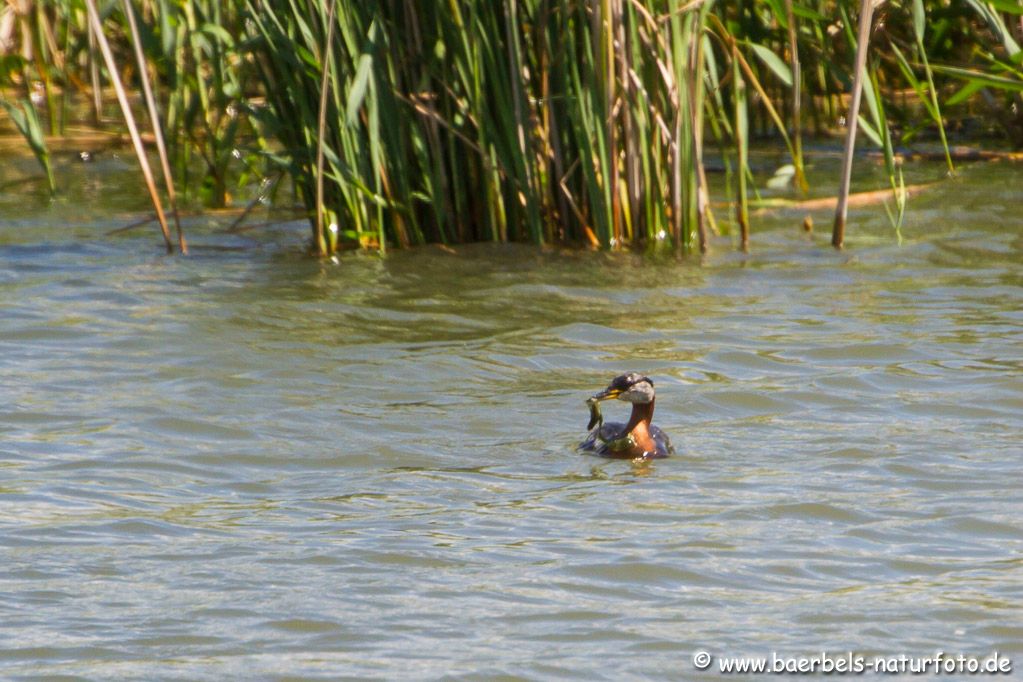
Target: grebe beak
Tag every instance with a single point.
(607, 394)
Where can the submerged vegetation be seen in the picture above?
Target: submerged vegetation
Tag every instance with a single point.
(588, 121)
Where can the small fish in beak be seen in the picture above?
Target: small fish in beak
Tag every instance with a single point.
(596, 418)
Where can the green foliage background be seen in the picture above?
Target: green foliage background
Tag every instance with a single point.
(409, 121)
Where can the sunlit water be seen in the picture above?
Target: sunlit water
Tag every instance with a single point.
(251, 463)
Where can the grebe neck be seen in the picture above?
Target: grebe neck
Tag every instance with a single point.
(642, 413)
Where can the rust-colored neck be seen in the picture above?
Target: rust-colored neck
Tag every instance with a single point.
(641, 412)
(639, 427)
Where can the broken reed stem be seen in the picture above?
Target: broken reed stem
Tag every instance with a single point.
(129, 119)
(154, 119)
(841, 211)
(236, 226)
(130, 226)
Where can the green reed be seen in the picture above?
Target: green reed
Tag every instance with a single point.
(402, 122)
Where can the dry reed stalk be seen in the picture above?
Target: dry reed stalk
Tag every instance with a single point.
(129, 120)
(841, 211)
(797, 96)
(855, 199)
(154, 118)
(236, 224)
(741, 148)
(130, 226)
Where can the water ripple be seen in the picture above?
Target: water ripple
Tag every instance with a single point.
(253, 461)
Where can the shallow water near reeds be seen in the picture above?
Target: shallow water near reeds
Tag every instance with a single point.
(251, 464)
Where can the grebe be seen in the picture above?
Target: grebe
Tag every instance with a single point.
(636, 439)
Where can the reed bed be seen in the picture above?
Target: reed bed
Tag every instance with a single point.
(402, 122)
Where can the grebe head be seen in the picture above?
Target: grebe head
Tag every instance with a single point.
(632, 388)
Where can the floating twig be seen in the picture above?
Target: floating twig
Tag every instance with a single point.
(131, 226)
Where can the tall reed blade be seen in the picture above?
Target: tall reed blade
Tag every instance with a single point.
(326, 60)
(26, 120)
(880, 132)
(696, 101)
(919, 26)
(409, 121)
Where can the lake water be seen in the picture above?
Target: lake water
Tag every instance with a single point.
(249, 463)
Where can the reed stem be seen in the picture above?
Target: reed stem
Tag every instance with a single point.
(797, 99)
(409, 121)
(154, 119)
(866, 16)
(129, 120)
(319, 229)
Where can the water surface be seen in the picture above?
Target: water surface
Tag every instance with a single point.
(248, 462)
